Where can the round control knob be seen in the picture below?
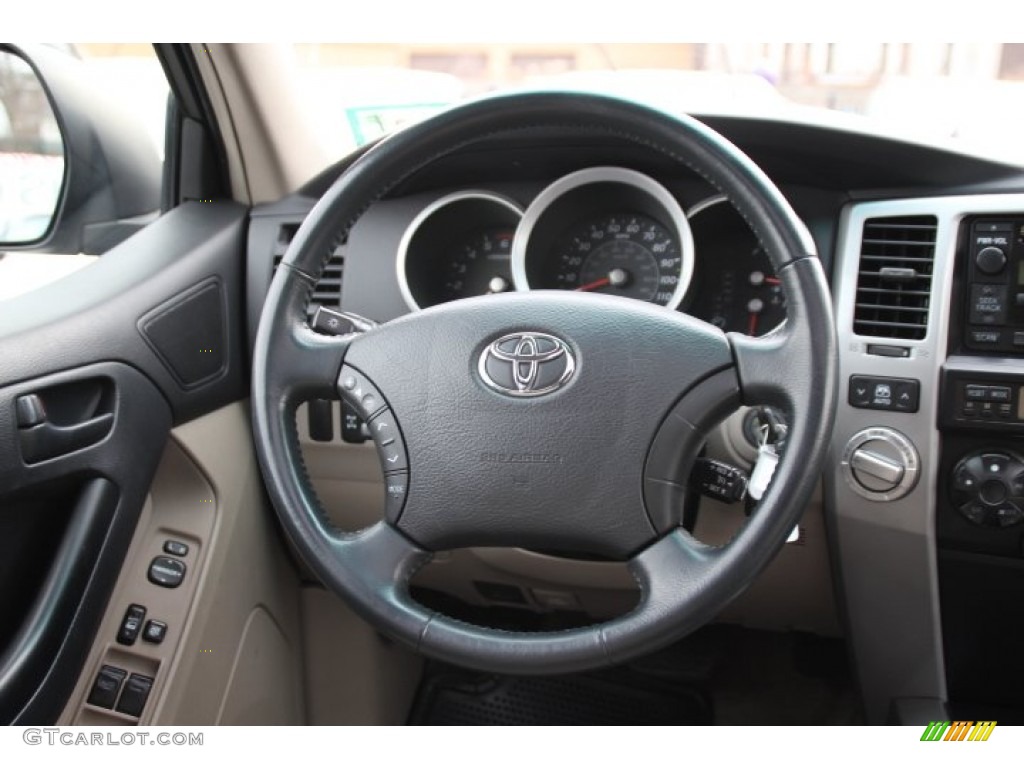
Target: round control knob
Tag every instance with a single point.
(988, 488)
(990, 260)
(881, 464)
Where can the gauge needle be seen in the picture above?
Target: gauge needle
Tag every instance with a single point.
(754, 307)
(595, 285)
(773, 281)
(497, 284)
(617, 278)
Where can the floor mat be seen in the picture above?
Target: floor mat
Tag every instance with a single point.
(451, 696)
(756, 677)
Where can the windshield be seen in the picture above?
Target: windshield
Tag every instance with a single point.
(938, 93)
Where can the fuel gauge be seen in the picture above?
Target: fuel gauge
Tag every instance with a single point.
(766, 307)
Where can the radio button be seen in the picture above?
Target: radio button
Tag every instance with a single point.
(1008, 514)
(993, 226)
(986, 337)
(976, 392)
(988, 304)
(998, 394)
(990, 260)
(974, 511)
(965, 480)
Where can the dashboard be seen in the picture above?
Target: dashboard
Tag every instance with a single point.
(915, 541)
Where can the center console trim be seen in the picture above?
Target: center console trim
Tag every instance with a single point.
(886, 550)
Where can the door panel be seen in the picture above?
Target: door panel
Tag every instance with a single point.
(233, 646)
(68, 509)
(95, 369)
(94, 314)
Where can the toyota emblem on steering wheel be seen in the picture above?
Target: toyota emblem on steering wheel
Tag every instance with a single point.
(527, 364)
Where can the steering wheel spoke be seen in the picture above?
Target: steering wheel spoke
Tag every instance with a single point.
(315, 362)
(764, 366)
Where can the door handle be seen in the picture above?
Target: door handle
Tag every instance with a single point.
(47, 440)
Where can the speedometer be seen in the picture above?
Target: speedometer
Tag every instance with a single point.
(619, 254)
(605, 230)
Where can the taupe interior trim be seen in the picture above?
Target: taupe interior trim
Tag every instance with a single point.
(232, 655)
(272, 148)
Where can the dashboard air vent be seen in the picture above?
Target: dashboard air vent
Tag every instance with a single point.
(895, 277)
(328, 290)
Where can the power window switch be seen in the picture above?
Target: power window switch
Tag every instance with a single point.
(131, 624)
(105, 687)
(134, 696)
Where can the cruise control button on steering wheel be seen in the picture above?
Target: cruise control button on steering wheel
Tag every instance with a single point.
(362, 394)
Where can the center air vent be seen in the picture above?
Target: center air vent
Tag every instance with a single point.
(895, 278)
(328, 290)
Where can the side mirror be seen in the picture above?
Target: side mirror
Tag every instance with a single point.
(83, 174)
(31, 154)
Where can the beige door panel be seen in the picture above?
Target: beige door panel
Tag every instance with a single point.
(232, 652)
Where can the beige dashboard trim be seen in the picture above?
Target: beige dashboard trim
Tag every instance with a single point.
(272, 150)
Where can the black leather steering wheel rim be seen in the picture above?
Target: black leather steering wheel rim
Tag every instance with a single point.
(683, 583)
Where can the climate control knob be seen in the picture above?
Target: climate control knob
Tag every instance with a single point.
(988, 488)
(881, 464)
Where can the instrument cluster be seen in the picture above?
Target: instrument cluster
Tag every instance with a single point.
(602, 230)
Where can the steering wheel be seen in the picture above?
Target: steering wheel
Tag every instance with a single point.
(550, 420)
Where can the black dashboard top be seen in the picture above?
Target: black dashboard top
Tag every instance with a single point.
(819, 168)
(790, 153)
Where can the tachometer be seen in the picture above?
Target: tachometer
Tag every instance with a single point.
(619, 254)
(479, 265)
(457, 247)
